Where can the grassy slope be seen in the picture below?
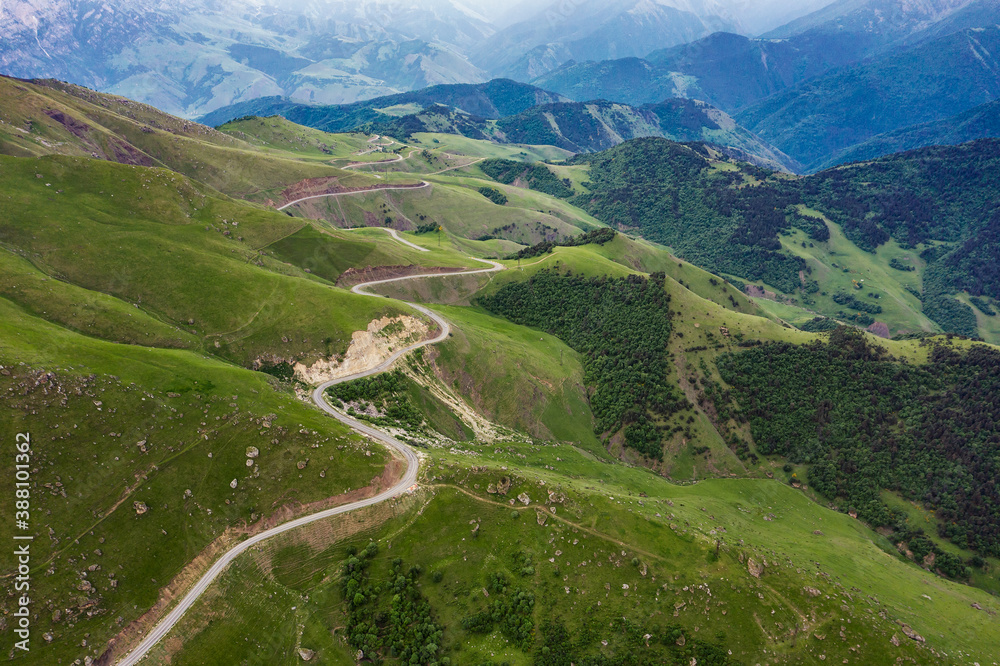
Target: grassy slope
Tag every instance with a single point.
(517, 377)
(527, 369)
(671, 530)
(460, 145)
(327, 253)
(901, 309)
(280, 136)
(460, 209)
(155, 240)
(121, 130)
(117, 424)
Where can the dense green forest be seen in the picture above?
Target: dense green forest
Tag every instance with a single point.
(536, 176)
(667, 192)
(866, 422)
(729, 221)
(621, 327)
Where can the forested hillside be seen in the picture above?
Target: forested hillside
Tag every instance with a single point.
(942, 202)
(866, 422)
(671, 194)
(621, 327)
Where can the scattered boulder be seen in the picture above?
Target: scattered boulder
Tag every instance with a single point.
(302, 464)
(503, 485)
(140, 507)
(524, 499)
(306, 654)
(233, 484)
(754, 567)
(252, 452)
(811, 591)
(912, 635)
(894, 640)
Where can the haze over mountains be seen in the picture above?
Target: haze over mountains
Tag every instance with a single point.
(189, 57)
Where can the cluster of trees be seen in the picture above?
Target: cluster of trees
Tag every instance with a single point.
(536, 176)
(494, 195)
(621, 326)
(671, 645)
(901, 266)
(510, 611)
(866, 422)
(952, 314)
(595, 237)
(387, 392)
(389, 618)
(853, 302)
(819, 325)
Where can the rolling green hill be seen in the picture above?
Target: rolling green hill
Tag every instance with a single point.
(609, 473)
(49, 117)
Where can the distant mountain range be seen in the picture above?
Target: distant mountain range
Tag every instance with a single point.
(978, 123)
(932, 81)
(190, 57)
(823, 78)
(825, 83)
(733, 71)
(505, 111)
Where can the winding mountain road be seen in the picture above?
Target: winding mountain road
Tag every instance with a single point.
(395, 234)
(406, 484)
(422, 185)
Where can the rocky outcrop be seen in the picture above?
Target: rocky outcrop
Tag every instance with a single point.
(368, 348)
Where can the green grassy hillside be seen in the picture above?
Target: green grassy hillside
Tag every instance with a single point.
(611, 555)
(907, 232)
(611, 470)
(177, 253)
(49, 117)
(135, 450)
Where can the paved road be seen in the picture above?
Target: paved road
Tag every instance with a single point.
(406, 484)
(394, 234)
(422, 185)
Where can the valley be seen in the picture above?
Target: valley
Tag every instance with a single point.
(477, 374)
